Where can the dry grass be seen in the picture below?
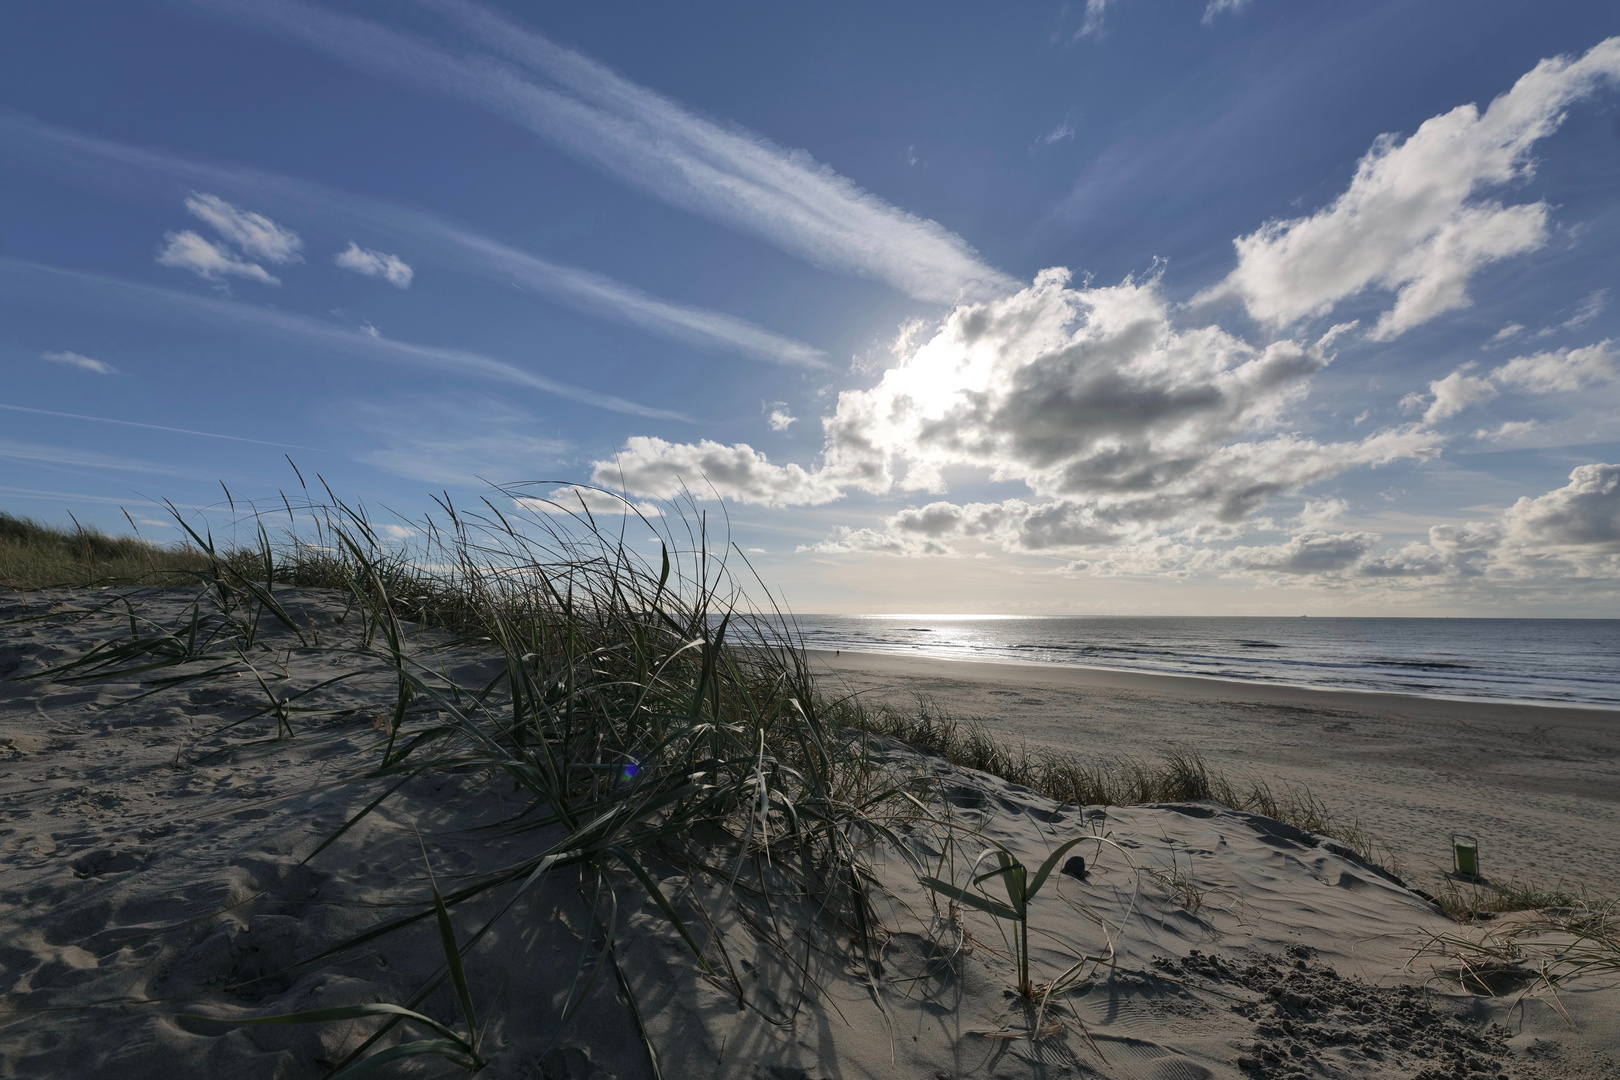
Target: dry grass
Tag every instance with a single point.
(1481, 902)
(1534, 953)
(37, 556)
(1181, 775)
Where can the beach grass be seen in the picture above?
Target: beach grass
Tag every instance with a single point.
(1480, 901)
(654, 711)
(654, 720)
(1180, 775)
(38, 556)
(1536, 951)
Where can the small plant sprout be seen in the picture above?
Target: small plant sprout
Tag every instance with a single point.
(1021, 889)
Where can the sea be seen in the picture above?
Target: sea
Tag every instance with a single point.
(1561, 661)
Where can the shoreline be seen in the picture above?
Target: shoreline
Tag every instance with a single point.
(1538, 784)
(177, 850)
(1211, 686)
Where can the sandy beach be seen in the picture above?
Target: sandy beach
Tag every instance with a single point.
(158, 863)
(551, 541)
(1538, 785)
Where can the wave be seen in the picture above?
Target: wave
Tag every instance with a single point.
(1566, 661)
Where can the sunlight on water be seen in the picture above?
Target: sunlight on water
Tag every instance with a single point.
(1569, 661)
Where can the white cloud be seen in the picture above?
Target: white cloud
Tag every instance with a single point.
(1559, 372)
(334, 339)
(1590, 309)
(1456, 392)
(390, 268)
(574, 499)
(149, 427)
(255, 234)
(651, 466)
(720, 171)
(1563, 371)
(848, 541)
(1218, 7)
(780, 419)
(1214, 501)
(1319, 514)
(1121, 422)
(73, 359)
(1568, 534)
(68, 457)
(615, 300)
(1312, 552)
(70, 154)
(188, 251)
(1413, 220)
(1507, 431)
(1063, 131)
(1091, 22)
(1094, 396)
(1334, 333)
(1583, 514)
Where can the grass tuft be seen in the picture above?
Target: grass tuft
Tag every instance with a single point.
(1481, 902)
(1182, 775)
(1534, 953)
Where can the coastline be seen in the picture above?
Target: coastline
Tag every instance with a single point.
(172, 857)
(1213, 687)
(1538, 784)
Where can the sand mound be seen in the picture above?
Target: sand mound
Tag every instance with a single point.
(156, 866)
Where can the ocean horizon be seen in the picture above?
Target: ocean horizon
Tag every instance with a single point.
(1554, 661)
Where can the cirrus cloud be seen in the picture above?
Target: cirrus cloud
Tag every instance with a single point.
(73, 359)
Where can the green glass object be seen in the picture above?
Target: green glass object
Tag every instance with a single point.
(1465, 855)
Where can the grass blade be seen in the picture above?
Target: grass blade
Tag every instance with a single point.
(452, 957)
(974, 900)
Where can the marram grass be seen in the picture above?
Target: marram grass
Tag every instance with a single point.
(643, 700)
(1181, 775)
(640, 705)
(37, 556)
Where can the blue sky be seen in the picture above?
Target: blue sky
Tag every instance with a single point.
(1252, 307)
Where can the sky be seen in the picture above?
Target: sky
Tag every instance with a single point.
(1110, 307)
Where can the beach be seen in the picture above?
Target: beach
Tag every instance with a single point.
(171, 866)
(1538, 785)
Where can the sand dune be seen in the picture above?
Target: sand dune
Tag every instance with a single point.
(155, 863)
(1538, 785)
